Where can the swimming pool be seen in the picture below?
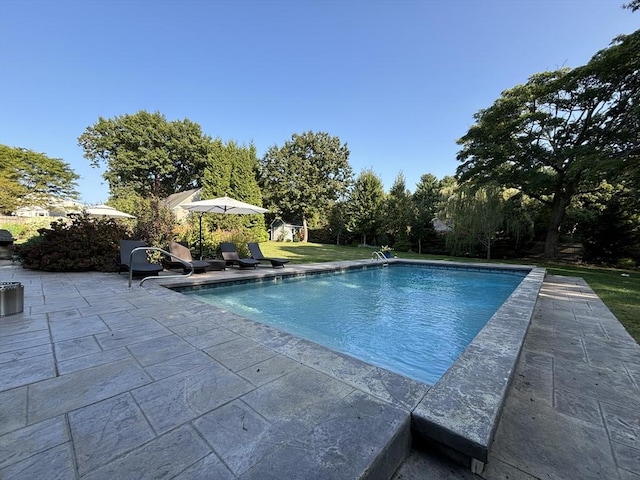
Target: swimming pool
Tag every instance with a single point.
(411, 319)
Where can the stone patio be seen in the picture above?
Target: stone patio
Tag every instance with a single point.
(100, 381)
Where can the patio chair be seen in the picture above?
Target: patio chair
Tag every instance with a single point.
(140, 266)
(256, 253)
(182, 252)
(230, 255)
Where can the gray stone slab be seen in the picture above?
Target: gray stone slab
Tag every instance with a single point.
(53, 464)
(268, 370)
(160, 349)
(33, 323)
(196, 327)
(578, 406)
(106, 430)
(26, 371)
(239, 353)
(210, 467)
(570, 348)
(603, 352)
(76, 347)
(627, 458)
(178, 365)
(164, 457)
(303, 392)
(423, 464)
(22, 341)
(130, 335)
(610, 385)
(101, 357)
(28, 441)
(623, 424)
(23, 353)
(211, 338)
(533, 379)
(77, 327)
(82, 388)
(13, 409)
(175, 400)
(546, 444)
(63, 314)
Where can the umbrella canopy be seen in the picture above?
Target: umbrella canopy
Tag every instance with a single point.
(107, 211)
(224, 205)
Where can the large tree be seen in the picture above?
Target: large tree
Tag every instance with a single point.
(146, 152)
(561, 133)
(366, 205)
(305, 176)
(399, 214)
(29, 178)
(426, 202)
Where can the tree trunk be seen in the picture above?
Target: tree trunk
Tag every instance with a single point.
(419, 245)
(558, 209)
(305, 230)
(488, 248)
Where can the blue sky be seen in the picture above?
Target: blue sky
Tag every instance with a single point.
(398, 80)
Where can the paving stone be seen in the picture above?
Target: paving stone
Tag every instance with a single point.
(33, 323)
(23, 353)
(197, 327)
(160, 349)
(163, 457)
(130, 335)
(53, 464)
(118, 319)
(178, 365)
(176, 400)
(101, 357)
(77, 327)
(601, 353)
(545, 444)
(239, 353)
(28, 441)
(210, 467)
(237, 433)
(22, 341)
(559, 347)
(610, 385)
(623, 424)
(13, 409)
(82, 388)
(211, 338)
(268, 370)
(26, 371)
(302, 392)
(63, 314)
(578, 406)
(627, 458)
(76, 347)
(105, 430)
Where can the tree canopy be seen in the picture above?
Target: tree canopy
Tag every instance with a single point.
(146, 152)
(304, 176)
(31, 178)
(366, 204)
(561, 133)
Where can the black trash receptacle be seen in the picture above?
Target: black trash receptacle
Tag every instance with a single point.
(11, 298)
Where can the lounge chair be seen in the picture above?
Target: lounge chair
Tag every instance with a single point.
(230, 255)
(182, 252)
(256, 253)
(140, 266)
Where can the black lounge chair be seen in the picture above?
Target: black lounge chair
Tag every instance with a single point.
(139, 266)
(256, 253)
(182, 252)
(230, 255)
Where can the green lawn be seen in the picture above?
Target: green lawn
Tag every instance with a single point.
(620, 294)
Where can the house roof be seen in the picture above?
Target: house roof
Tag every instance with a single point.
(174, 200)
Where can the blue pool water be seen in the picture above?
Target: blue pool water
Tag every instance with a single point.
(413, 320)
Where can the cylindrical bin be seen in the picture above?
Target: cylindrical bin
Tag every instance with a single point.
(11, 298)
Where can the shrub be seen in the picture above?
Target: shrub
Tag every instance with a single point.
(627, 263)
(82, 245)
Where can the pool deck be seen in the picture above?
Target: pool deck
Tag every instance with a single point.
(101, 381)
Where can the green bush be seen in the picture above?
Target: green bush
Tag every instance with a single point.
(81, 245)
(627, 263)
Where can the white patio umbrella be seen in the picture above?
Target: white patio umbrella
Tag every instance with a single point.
(224, 205)
(107, 211)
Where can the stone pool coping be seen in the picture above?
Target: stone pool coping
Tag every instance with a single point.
(461, 411)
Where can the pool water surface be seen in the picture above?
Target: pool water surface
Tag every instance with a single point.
(410, 319)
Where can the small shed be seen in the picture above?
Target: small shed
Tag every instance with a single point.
(281, 231)
(175, 202)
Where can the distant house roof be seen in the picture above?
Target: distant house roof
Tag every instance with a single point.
(174, 200)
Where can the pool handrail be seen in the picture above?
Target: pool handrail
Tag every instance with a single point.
(181, 260)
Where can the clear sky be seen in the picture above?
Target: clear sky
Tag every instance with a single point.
(398, 80)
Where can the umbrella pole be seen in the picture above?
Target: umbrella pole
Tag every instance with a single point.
(200, 221)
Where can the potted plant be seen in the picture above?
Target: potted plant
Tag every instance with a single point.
(386, 250)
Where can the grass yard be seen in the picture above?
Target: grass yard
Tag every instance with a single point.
(620, 294)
